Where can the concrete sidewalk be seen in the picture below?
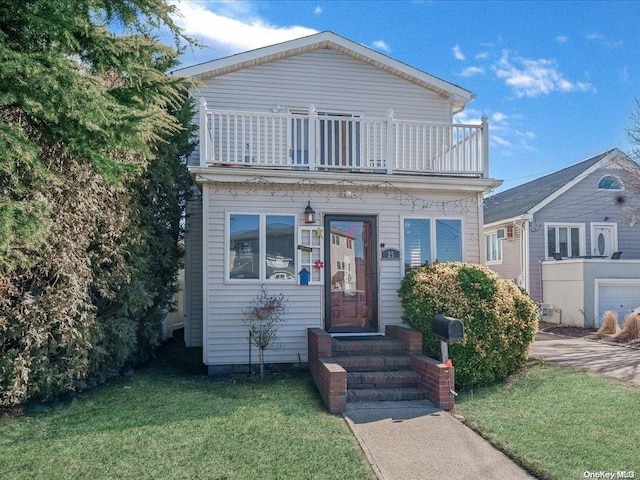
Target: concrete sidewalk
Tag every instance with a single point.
(611, 360)
(414, 441)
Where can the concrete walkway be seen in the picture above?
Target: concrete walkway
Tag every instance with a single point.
(415, 441)
(611, 360)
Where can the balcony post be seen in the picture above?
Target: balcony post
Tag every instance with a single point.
(313, 161)
(204, 136)
(389, 161)
(485, 147)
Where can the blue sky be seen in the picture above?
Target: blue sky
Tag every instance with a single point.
(557, 79)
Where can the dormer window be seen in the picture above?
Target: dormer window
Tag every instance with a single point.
(609, 182)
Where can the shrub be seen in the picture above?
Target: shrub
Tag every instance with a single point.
(609, 323)
(500, 319)
(631, 328)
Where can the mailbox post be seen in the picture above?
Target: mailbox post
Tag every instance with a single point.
(449, 331)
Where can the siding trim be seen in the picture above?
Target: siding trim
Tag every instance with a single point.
(205, 273)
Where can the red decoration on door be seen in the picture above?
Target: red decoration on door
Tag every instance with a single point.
(318, 264)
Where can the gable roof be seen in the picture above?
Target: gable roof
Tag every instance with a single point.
(528, 198)
(203, 71)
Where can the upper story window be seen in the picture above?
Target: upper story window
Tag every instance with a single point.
(426, 240)
(494, 247)
(568, 240)
(609, 182)
(261, 247)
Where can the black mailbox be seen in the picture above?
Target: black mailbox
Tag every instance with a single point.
(447, 329)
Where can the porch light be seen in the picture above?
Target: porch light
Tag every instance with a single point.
(309, 213)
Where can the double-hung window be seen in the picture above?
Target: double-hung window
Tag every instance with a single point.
(565, 239)
(494, 247)
(261, 247)
(426, 240)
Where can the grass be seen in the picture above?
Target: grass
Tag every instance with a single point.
(170, 421)
(559, 423)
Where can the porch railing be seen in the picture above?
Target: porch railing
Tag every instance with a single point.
(316, 141)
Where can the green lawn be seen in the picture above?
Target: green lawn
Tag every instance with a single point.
(169, 422)
(560, 423)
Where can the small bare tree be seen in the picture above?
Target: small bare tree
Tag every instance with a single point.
(261, 318)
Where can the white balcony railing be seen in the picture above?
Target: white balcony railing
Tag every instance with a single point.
(315, 141)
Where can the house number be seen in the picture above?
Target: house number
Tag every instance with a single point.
(390, 254)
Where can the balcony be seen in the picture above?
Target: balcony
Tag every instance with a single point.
(313, 140)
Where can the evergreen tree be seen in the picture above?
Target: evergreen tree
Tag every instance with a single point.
(91, 186)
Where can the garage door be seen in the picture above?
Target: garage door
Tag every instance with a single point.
(620, 296)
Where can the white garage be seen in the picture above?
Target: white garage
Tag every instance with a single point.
(619, 295)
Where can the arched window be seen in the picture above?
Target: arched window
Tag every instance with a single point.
(609, 182)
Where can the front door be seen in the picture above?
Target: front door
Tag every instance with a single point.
(351, 277)
(603, 239)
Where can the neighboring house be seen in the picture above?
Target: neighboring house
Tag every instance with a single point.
(557, 236)
(326, 169)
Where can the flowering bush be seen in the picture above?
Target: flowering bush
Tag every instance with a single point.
(500, 319)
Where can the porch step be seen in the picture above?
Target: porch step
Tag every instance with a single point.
(385, 394)
(389, 379)
(355, 347)
(373, 363)
(378, 369)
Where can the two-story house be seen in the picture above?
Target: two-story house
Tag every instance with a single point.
(571, 238)
(326, 169)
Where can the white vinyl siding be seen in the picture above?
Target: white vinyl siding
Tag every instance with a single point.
(331, 81)
(193, 274)
(225, 332)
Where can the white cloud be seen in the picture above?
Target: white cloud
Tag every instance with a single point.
(468, 117)
(381, 45)
(482, 55)
(499, 141)
(562, 39)
(498, 117)
(599, 37)
(472, 71)
(532, 78)
(317, 10)
(624, 75)
(232, 28)
(458, 53)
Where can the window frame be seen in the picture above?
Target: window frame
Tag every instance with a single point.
(498, 241)
(582, 241)
(433, 247)
(262, 249)
(608, 175)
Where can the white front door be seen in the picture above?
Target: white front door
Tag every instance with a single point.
(604, 239)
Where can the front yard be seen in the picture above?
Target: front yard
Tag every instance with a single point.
(559, 423)
(168, 423)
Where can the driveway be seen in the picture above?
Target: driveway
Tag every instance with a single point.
(611, 360)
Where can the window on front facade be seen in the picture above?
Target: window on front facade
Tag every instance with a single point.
(567, 240)
(427, 240)
(494, 247)
(261, 247)
(609, 182)
(280, 247)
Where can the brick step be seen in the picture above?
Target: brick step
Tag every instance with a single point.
(388, 379)
(374, 363)
(382, 346)
(385, 394)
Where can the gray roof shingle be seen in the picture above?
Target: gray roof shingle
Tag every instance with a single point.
(519, 200)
